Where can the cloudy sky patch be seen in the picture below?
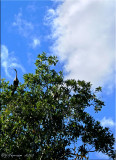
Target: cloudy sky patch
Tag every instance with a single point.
(84, 39)
(8, 61)
(107, 122)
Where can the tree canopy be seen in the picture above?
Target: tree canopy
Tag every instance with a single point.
(46, 114)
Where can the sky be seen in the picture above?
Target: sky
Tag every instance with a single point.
(81, 33)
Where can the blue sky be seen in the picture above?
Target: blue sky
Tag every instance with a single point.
(79, 32)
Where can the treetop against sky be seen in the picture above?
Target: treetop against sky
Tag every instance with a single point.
(80, 33)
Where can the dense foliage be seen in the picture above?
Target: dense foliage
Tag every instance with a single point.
(47, 113)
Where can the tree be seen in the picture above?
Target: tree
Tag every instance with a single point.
(47, 113)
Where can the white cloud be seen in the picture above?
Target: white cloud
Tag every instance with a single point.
(36, 42)
(4, 53)
(107, 122)
(83, 33)
(7, 61)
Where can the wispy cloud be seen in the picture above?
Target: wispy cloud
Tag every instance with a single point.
(26, 29)
(7, 61)
(32, 7)
(35, 43)
(108, 122)
(83, 33)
